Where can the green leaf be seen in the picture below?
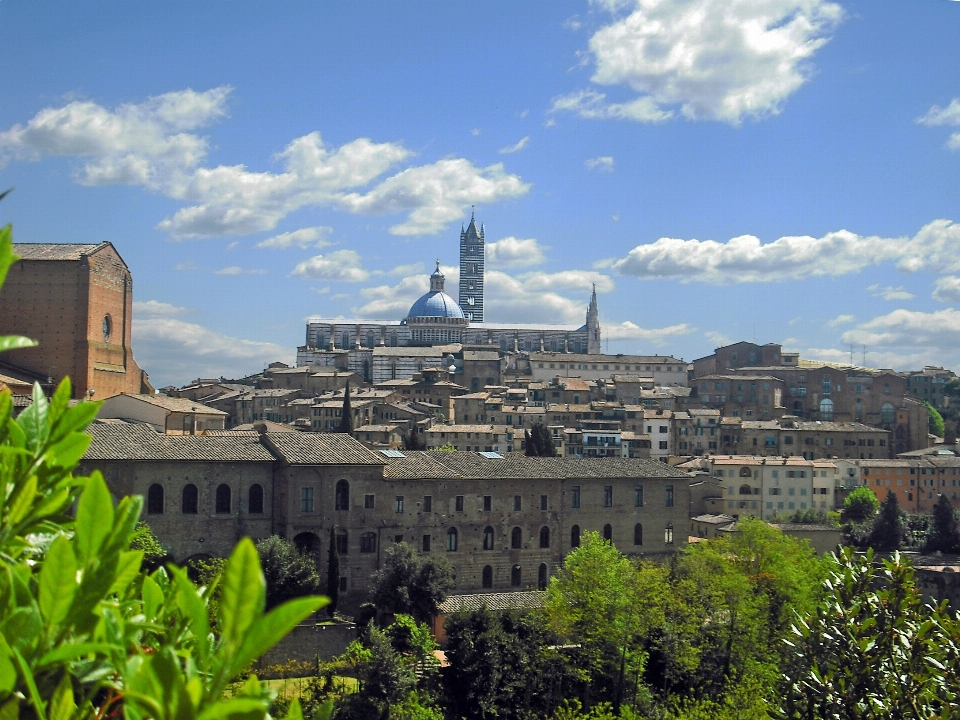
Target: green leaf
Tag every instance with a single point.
(58, 581)
(127, 570)
(235, 709)
(94, 517)
(75, 651)
(152, 598)
(67, 452)
(8, 674)
(7, 257)
(33, 420)
(243, 593)
(22, 501)
(15, 342)
(269, 629)
(63, 705)
(295, 712)
(193, 608)
(39, 706)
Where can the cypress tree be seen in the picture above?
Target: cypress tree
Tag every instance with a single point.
(889, 527)
(945, 533)
(346, 415)
(333, 573)
(547, 448)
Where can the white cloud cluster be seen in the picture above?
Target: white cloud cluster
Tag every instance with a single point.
(745, 259)
(516, 147)
(950, 115)
(909, 329)
(512, 252)
(151, 144)
(175, 351)
(584, 280)
(947, 289)
(890, 293)
(722, 60)
(237, 270)
(604, 163)
(315, 237)
(143, 144)
(657, 336)
(342, 265)
(841, 320)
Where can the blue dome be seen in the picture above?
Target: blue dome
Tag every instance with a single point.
(436, 304)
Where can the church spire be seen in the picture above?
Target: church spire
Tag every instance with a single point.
(593, 324)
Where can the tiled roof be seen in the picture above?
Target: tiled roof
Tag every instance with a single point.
(320, 449)
(55, 251)
(493, 601)
(470, 429)
(182, 405)
(139, 441)
(472, 465)
(376, 428)
(709, 518)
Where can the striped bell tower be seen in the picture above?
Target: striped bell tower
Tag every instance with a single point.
(471, 271)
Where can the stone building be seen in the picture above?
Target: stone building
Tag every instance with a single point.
(504, 522)
(742, 354)
(665, 370)
(77, 302)
(918, 482)
(173, 416)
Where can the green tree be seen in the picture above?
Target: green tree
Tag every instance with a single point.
(944, 536)
(412, 584)
(861, 505)
(936, 419)
(289, 573)
(604, 606)
(333, 573)
(871, 650)
(889, 528)
(538, 443)
(413, 441)
(144, 540)
(346, 414)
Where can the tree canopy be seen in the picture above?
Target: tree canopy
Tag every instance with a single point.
(538, 443)
(860, 505)
(411, 583)
(288, 572)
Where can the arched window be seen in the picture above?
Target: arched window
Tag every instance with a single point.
(887, 414)
(638, 534)
(488, 538)
(575, 536)
(341, 499)
(452, 539)
(155, 499)
(746, 489)
(516, 538)
(371, 340)
(189, 499)
(826, 409)
(223, 499)
(746, 472)
(608, 532)
(515, 579)
(255, 501)
(668, 534)
(544, 537)
(307, 543)
(487, 576)
(542, 577)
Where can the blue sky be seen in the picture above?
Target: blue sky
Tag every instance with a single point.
(779, 171)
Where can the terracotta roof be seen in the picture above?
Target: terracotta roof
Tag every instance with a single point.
(182, 405)
(56, 251)
(501, 429)
(493, 601)
(320, 449)
(139, 441)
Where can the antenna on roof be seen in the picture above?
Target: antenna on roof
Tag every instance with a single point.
(864, 355)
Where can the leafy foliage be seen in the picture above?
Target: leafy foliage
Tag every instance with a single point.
(144, 540)
(538, 443)
(936, 419)
(412, 584)
(288, 572)
(889, 529)
(861, 505)
(944, 536)
(871, 650)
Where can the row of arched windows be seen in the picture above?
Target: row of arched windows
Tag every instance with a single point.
(516, 576)
(190, 499)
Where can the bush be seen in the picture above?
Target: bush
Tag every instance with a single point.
(288, 572)
(860, 505)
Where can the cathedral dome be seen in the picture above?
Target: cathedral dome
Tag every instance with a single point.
(436, 303)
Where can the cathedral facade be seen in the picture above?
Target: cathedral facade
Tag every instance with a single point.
(436, 319)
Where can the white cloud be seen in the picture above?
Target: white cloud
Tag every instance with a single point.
(630, 331)
(950, 115)
(475, 131)
(144, 144)
(386, 301)
(152, 144)
(187, 266)
(511, 252)
(567, 280)
(156, 308)
(233, 245)
(746, 259)
(603, 163)
(947, 289)
(237, 270)
(909, 329)
(890, 293)
(403, 270)
(303, 238)
(841, 320)
(516, 147)
(174, 351)
(573, 23)
(717, 338)
(713, 59)
(436, 194)
(523, 114)
(342, 265)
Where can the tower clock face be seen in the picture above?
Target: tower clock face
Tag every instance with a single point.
(107, 327)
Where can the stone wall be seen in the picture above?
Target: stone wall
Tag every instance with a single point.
(303, 645)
